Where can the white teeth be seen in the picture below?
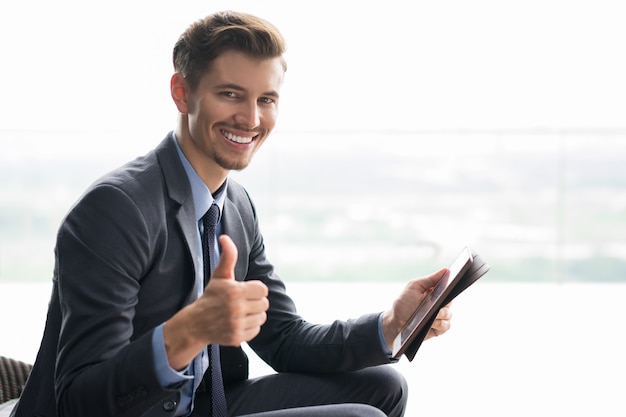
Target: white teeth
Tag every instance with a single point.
(235, 138)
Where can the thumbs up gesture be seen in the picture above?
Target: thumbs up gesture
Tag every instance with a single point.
(228, 313)
(237, 309)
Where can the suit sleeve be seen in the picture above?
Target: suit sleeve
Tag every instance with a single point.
(103, 369)
(289, 343)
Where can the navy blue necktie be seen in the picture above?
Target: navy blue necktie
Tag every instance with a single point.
(209, 253)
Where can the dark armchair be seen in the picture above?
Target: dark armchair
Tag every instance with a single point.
(13, 375)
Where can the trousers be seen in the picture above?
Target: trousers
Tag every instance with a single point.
(372, 392)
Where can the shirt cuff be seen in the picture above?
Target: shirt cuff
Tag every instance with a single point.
(166, 375)
(381, 336)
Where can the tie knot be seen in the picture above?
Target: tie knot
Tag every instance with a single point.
(210, 217)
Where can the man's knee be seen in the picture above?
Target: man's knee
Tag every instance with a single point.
(384, 378)
(390, 392)
(360, 410)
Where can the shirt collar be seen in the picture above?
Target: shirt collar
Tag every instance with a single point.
(202, 198)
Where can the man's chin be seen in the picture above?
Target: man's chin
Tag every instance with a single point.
(233, 165)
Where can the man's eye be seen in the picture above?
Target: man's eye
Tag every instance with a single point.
(266, 100)
(229, 94)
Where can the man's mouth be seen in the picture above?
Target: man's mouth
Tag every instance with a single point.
(238, 139)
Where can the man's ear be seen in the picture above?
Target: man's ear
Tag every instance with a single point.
(180, 90)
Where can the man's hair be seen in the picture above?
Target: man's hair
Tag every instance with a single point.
(206, 39)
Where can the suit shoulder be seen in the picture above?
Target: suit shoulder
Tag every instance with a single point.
(238, 196)
(144, 168)
(237, 192)
(136, 186)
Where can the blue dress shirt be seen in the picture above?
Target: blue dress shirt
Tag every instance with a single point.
(202, 199)
(167, 376)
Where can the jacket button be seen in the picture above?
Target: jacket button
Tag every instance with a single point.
(169, 405)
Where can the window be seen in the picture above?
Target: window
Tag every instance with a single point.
(394, 148)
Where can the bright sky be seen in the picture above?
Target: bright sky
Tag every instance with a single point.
(353, 65)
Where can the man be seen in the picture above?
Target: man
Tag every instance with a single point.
(132, 327)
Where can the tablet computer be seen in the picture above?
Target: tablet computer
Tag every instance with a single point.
(462, 273)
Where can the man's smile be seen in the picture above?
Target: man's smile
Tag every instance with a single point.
(238, 139)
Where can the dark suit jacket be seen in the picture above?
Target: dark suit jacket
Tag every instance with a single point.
(123, 266)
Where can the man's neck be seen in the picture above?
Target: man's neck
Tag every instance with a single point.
(213, 175)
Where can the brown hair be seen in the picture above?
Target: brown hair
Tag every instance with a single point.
(206, 39)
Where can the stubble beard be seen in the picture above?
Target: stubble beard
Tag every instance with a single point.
(231, 164)
(223, 160)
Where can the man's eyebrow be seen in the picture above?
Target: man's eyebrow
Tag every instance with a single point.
(230, 86)
(236, 87)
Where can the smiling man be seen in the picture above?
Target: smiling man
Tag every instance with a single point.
(161, 272)
(229, 114)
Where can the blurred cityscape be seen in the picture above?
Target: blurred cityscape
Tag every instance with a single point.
(538, 205)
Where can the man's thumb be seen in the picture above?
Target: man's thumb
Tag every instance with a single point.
(432, 279)
(225, 268)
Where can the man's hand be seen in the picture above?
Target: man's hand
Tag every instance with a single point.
(232, 311)
(441, 323)
(228, 313)
(404, 306)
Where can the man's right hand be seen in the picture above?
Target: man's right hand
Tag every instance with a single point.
(228, 313)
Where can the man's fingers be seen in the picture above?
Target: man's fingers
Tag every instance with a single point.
(255, 289)
(432, 279)
(445, 313)
(226, 266)
(424, 284)
(257, 306)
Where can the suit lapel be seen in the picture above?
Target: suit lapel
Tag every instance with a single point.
(232, 225)
(179, 191)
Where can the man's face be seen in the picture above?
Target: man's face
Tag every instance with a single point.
(231, 112)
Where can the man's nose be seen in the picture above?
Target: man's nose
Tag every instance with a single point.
(248, 115)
